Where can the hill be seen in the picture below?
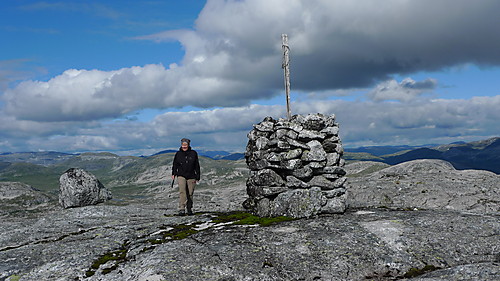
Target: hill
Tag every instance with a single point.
(216, 155)
(125, 175)
(480, 155)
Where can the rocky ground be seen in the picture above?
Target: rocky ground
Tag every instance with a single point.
(420, 220)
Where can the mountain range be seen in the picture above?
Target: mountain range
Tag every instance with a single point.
(479, 155)
(42, 169)
(216, 155)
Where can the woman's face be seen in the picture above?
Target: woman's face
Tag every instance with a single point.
(184, 146)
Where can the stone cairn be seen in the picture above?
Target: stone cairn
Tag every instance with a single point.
(295, 167)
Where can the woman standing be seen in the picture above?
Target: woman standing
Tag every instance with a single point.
(187, 170)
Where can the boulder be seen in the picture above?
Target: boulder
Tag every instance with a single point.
(265, 177)
(295, 203)
(78, 188)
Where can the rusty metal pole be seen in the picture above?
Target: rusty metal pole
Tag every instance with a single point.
(286, 69)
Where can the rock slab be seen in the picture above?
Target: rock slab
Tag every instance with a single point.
(425, 184)
(78, 188)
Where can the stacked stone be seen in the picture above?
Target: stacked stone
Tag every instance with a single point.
(295, 167)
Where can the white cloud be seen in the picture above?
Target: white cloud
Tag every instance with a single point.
(233, 57)
(406, 90)
(413, 122)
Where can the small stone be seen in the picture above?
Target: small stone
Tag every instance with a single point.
(314, 122)
(265, 177)
(316, 152)
(303, 173)
(295, 143)
(332, 159)
(331, 177)
(330, 121)
(311, 135)
(321, 182)
(258, 164)
(293, 182)
(330, 131)
(253, 135)
(339, 182)
(262, 143)
(284, 145)
(292, 134)
(316, 165)
(329, 146)
(291, 164)
(298, 119)
(334, 192)
(339, 149)
(280, 134)
(334, 170)
(292, 154)
(264, 191)
(273, 157)
(335, 205)
(265, 126)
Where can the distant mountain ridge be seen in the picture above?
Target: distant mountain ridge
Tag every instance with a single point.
(483, 155)
(480, 155)
(216, 155)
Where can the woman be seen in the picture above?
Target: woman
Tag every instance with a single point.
(187, 170)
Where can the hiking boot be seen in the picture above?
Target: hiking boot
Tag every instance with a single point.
(181, 213)
(190, 213)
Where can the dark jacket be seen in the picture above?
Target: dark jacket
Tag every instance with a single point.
(186, 164)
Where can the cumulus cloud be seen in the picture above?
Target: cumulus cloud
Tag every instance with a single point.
(233, 56)
(413, 122)
(406, 90)
(81, 95)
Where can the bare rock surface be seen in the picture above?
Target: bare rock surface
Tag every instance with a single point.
(142, 239)
(427, 184)
(19, 197)
(106, 242)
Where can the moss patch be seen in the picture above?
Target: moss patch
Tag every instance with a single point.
(181, 231)
(15, 278)
(414, 272)
(243, 218)
(118, 256)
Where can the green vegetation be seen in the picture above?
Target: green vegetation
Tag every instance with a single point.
(14, 278)
(127, 177)
(43, 178)
(414, 272)
(243, 218)
(180, 232)
(118, 256)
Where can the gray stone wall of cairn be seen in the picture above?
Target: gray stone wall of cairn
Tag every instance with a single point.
(296, 167)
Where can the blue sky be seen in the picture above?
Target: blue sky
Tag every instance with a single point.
(134, 77)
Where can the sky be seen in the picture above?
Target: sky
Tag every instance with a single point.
(134, 77)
